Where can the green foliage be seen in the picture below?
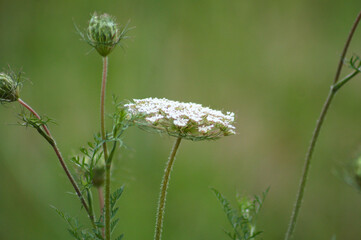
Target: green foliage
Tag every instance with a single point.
(113, 209)
(29, 120)
(90, 164)
(114, 197)
(76, 230)
(243, 218)
(354, 63)
(119, 237)
(351, 174)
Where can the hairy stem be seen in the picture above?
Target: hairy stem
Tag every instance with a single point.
(311, 148)
(100, 198)
(101, 204)
(107, 202)
(163, 191)
(107, 163)
(62, 162)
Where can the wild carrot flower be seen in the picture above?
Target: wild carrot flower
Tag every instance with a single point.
(182, 120)
(9, 88)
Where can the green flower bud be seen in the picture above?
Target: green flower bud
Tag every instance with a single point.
(91, 170)
(98, 176)
(9, 89)
(103, 33)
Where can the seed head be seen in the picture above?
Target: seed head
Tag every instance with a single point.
(9, 88)
(103, 33)
(186, 120)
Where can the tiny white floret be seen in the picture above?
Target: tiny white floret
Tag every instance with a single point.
(179, 119)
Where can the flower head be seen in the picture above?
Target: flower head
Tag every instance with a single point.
(186, 120)
(9, 88)
(103, 33)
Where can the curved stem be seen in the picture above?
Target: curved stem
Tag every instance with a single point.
(345, 48)
(307, 164)
(105, 150)
(334, 88)
(62, 162)
(35, 114)
(163, 191)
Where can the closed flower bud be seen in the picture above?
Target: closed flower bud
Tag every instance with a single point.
(103, 33)
(98, 176)
(9, 89)
(90, 167)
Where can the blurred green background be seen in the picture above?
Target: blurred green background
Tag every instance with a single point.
(271, 62)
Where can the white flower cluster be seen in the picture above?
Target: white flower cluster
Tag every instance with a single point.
(186, 120)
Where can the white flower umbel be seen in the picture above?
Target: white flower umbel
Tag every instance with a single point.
(185, 120)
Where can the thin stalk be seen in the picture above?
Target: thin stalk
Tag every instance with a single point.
(27, 106)
(90, 201)
(334, 88)
(339, 84)
(102, 105)
(62, 162)
(307, 164)
(100, 198)
(101, 204)
(163, 191)
(105, 150)
(345, 48)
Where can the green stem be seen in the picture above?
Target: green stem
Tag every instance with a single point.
(52, 142)
(101, 203)
(90, 201)
(339, 84)
(163, 191)
(105, 150)
(102, 106)
(107, 202)
(334, 88)
(307, 164)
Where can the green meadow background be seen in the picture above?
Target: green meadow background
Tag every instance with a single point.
(270, 62)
